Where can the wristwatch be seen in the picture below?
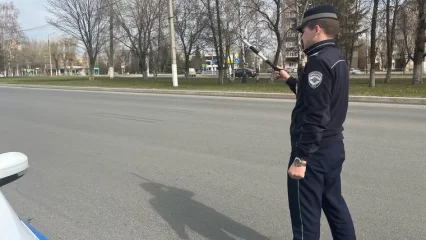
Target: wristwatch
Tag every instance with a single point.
(299, 162)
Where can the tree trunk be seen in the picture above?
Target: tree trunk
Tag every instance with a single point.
(373, 45)
(92, 61)
(351, 51)
(8, 63)
(388, 70)
(277, 57)
(145, 74)
(226, 70)
(159, 46)
(390, 39)
(220, 57)
(392, 42)
(143, 66)
(213, 28)
(57, 66)
(420, 44)
(417, 74)
(187, 64)
(144, 69)
(389, 48)
(71, 67)
(152, 60)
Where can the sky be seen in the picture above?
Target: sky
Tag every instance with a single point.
(33, 14)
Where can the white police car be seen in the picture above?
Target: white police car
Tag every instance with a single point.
(13, 165)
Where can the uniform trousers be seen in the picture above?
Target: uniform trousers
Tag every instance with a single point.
(320, 189)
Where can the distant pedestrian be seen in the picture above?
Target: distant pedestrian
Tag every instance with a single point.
(318, 150)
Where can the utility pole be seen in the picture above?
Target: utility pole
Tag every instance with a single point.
(50, 57)
(257, 45)
(173, 44)
(50, 54)
(111, 41)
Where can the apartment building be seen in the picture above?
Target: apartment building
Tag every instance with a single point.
(290, 50)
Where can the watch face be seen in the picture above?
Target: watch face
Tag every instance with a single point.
(297, 162)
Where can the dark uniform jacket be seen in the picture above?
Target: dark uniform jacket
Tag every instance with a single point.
(322, 93)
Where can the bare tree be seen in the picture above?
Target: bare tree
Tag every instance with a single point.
(282, 17)
(242, 20)
(381, 45)
(405, 31)
(123, 57)
(115, 51)
(137, 19)
(111, 40)
(392, 8)
(69, 53)
(373, 44)
(301, 7)
(34, 55)
(190, 24)
(57, 53)
(353, 22)
(238, 23)
(271, 13)
(229, 36)
(159, 44)
(354, 26)
(220, 40)
(10, 34)
(214, 23)
(419, 53)
(85, 20)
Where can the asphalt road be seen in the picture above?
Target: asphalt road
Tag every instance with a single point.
(140, 166)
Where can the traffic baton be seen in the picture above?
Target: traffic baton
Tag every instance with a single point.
(260, 54)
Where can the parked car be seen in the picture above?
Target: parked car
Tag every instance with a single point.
(13, 165)
(192, 72)
(289, 70)
(355, 71)
(239, 73)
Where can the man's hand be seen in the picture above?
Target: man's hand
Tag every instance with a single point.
(282, 75)
(296, 172)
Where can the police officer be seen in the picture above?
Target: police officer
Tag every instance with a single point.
(318, 151)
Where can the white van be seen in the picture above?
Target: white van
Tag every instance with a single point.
(192, 72)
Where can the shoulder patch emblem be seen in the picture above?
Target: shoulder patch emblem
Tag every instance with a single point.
(315, 79)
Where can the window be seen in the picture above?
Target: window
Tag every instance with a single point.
(289, 14)
(292, 54)
(291, 35)
(290, 44)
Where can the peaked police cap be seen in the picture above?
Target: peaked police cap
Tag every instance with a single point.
(318, 12)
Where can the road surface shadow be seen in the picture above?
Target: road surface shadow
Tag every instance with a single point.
(179, 210)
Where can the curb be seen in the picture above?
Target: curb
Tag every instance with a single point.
(365, 99)
(393, 100)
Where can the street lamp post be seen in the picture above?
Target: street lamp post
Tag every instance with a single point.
(50, 54)
(173, 44)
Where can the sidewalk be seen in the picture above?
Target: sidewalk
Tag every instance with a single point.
(367, 99)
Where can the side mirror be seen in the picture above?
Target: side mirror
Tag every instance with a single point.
(13, 165)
